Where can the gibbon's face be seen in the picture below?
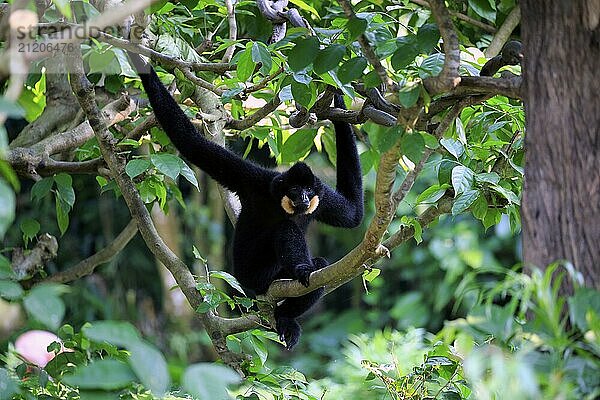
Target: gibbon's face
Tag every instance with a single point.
(300, 200)
(297, 189)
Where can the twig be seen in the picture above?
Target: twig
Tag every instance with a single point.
(263, 83)
(201, 82)
(252, 119)
(87, 266)
(143, 127)
(232, 30)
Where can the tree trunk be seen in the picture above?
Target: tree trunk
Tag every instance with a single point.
(561, 197)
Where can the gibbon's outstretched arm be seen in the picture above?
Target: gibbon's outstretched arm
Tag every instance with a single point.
(227, 168)
(344, 206)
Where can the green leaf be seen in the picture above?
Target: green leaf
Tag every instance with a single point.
(230, 279)
(431, 66)
(137, 166)
(412, 146)
(303, 54)
(209, 381)
(188, 174)
(433, 193)
(104, 374)
(584, 300)
(8, 386)
(7, 210)
(418, 230)
(102, 62)
(41, 188)
(485, 9)
(462, 179)
(428, 37)
(454, 146)
(492, 217)
(64, 185)
(245, 64)
(409, 94)
(383, 138)
(297, 145)
(168, 164)
(10, 290)
(260, 54)
(352, 69)
(406, 51)
(507, 194)
(356, 27)
(150, 366)
(118, 333)
(30, 227)
(328, 58)
(464, 201)
(44, 304)
(488, 177)
(370, 275)
(306, 7)
(62, 214)
(302, 94)
(6, 271)
(479, 208)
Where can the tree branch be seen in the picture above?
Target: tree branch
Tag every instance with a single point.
(503, 34)
(232, 30)
(448, 78)
(254, 118)
(87, 266)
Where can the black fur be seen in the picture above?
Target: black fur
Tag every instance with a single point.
(269, 243)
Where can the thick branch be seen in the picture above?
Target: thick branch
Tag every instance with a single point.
(354, 263)
(87, 266)
(448, 78)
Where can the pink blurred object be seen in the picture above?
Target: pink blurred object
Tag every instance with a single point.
(32, 346)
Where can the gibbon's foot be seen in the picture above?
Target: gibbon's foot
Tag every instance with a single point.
(289, 331)
(302, 272)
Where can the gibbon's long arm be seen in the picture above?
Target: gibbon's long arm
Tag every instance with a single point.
(343, 206)
(227, 168)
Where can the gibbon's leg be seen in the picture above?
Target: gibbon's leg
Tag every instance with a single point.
(291, 308)
(292, 252)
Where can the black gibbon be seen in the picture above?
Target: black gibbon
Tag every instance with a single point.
(277, 207)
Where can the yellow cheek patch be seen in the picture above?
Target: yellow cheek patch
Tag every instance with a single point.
(287, 205)
(314, 203)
